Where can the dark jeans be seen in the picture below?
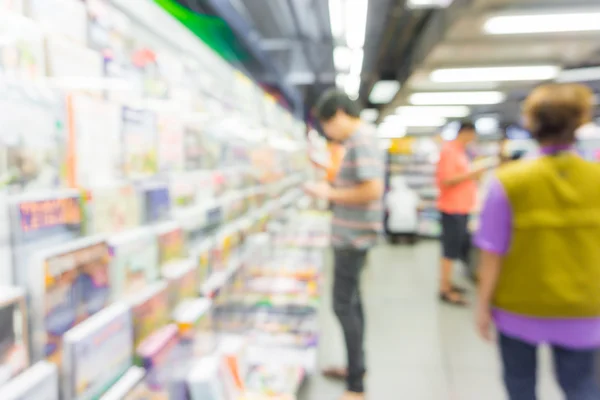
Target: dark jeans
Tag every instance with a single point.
(347, 305)
(574, 370)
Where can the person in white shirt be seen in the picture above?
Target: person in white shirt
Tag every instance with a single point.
(402, 204)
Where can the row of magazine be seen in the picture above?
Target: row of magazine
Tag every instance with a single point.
(86, 326)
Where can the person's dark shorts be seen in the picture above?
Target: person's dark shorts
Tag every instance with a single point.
(456, 240)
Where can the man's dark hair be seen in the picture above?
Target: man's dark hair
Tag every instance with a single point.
(466, 125)
(333, 100)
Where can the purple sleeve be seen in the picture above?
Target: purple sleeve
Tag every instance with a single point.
(495, 221)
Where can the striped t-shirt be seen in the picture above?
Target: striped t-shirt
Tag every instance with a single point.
(359, 226)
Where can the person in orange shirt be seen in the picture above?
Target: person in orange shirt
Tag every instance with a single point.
(456, 181)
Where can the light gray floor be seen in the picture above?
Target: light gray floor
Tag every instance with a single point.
(417, 349)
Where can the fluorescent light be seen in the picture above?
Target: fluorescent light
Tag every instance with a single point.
(357, 62)
(417, 121)
(384, 91)
(428, 3)
(542, 23)
(442, 111)
(487, 125)
(391, 130)
(352, 86)
(579, 75)
(369, 114)
(340, 81)
(456, 98)
(356, 23)
(336, 14)
(499, 74)
(342, 58)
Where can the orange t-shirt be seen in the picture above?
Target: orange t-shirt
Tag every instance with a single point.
(461, 198)
(336, 152)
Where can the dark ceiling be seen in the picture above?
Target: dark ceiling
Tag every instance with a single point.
(291, 43)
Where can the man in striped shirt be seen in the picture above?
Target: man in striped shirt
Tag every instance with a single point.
(356, 198)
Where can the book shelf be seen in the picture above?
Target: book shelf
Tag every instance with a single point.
(158, 243)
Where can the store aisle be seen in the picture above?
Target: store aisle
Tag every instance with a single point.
(417, 349)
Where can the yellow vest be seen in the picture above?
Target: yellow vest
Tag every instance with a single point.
(552, 268)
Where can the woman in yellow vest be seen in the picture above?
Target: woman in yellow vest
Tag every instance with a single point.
(540, 239)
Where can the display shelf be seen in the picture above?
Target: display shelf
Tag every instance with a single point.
(133, 207)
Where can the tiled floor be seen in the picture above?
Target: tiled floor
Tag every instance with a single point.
(417, 349)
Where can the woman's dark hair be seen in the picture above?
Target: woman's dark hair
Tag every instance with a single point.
(555, 111)
(333, 100)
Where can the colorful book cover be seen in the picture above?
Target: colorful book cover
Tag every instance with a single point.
(202, 254)
(171, 243)
(194, 150)
(92, 165)
(39, 382)
(161, 354)
(182, 280)
(14, 353)
(30, 162)
(39, 222)
(150, 311)
(194, 321)
(113, 209)
(182, 190)
(134, 264)
(139, 132)
(74, 285)
(154, 82)
(157, 203)
(171, 151)
(97, 353)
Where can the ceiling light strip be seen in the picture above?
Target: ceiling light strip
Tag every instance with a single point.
(457, 98)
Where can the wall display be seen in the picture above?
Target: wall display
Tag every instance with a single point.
(28, 161)
(90, 164)
(139, 143)
(113, 209)
(21, 57)
(150, 311)
(68, 284)
(14, 353)
(39, 382)
(134, 262)
(39, 222)
(157, 202)
(97, 353)
(171, 243)
(171, 152)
